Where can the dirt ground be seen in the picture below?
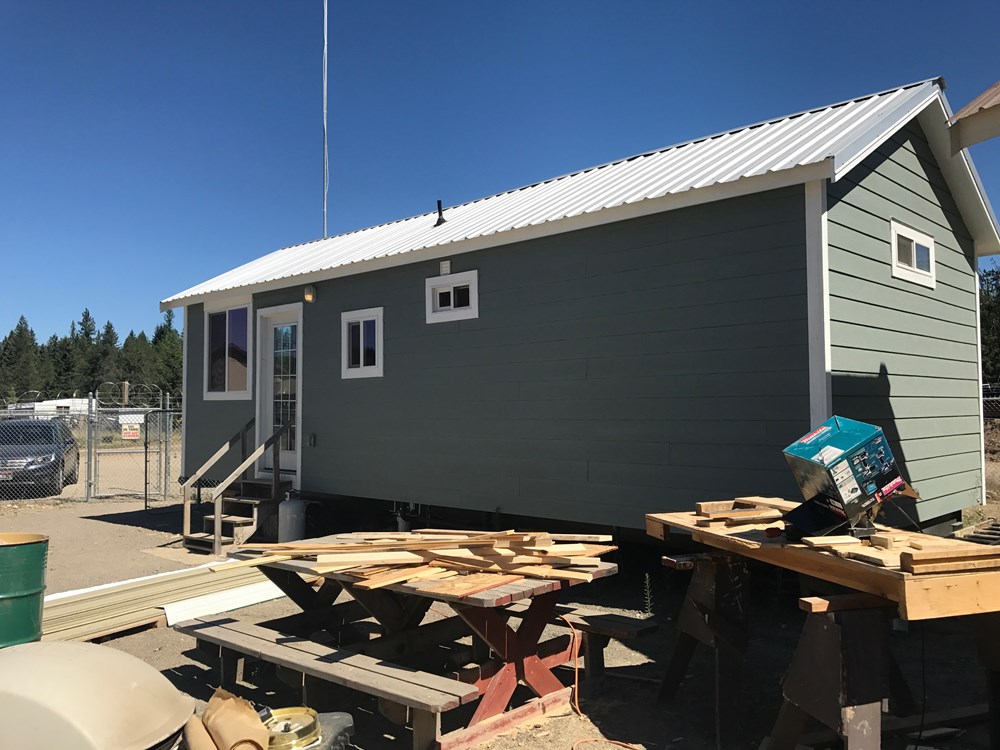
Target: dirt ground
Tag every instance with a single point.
(102, 542)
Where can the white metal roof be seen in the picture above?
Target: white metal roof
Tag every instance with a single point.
(820, 143)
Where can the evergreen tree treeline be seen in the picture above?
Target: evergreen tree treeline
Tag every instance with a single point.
(79, 362)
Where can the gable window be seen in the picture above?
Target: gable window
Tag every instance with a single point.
(912, 255)
(361, 334)
(454, 296)
(227, 372)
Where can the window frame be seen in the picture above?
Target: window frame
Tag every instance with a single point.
(450, 281)
(227, 395)
(911, 273)
(364, 371)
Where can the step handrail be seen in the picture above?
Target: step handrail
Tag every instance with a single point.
(247, 462)
(240, 438)
(223, 450)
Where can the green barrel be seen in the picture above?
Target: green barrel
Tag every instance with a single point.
(22, 583)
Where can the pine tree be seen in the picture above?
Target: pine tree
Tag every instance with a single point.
(168, 348)
(19, 360)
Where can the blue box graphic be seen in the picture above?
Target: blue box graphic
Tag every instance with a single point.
(844, 465)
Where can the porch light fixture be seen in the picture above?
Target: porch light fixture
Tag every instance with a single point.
(309, 294)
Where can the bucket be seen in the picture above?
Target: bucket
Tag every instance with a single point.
(22, 583)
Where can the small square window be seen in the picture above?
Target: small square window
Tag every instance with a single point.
(362, 343)
(453, 297)
(913, 255)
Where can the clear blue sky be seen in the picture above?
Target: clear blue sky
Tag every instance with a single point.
(146, 146)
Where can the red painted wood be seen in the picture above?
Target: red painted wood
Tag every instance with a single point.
(497, 695)
(465, 739)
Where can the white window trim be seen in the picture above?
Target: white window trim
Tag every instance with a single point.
(906, 273)
(244, 395)
(452, 280)
(356, 316)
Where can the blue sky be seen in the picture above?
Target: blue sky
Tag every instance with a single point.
(147, 146)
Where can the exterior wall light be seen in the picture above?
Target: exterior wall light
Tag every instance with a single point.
(309, 294)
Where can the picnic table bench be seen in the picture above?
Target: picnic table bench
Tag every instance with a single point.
(426, 695)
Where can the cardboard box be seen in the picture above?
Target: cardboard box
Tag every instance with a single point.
(844, 465)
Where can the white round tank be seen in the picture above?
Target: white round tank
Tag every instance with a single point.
(291, 519)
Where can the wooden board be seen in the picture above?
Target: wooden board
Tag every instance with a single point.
(462, 586)
(829, 541)
(925, 596)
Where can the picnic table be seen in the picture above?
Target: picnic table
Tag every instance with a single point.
(504, 657)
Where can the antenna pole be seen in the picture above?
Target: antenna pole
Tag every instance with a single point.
(326, 157)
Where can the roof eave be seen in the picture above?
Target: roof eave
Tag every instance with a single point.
(720, 191)
(962, 177)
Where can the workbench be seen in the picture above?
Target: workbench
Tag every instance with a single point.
(841, 672)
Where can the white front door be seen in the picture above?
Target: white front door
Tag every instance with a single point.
(279, 333)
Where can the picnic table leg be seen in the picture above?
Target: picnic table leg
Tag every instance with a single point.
(518, 650)
(300, 592)
(395, 612)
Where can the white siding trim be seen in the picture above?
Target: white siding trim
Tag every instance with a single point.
(261, 314)
(185, 341)
(818, 290)
(982, 422)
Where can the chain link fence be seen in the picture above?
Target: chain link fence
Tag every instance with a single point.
(123, 440)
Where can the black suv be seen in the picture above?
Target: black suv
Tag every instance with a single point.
(39, 453)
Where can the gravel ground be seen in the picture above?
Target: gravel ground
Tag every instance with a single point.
(109, 541)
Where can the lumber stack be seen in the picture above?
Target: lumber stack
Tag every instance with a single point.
(114, 608)
(460, 563)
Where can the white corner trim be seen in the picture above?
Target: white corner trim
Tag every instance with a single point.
(354, 316)
(466, 278)
(818, 303)
(979, 370)
(185, 341)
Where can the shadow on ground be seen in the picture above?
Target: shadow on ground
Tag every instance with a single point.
(166, 518)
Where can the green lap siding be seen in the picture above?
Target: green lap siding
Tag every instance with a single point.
(905, 356)
(612, 372)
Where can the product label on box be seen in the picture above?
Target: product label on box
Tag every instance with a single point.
(892, 486)
(827, 455)
(843, 477)
(811, 437)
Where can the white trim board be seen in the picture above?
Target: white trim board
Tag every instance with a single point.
(818, 302)
(266, 312)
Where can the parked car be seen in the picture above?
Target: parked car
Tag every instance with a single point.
(39, 453)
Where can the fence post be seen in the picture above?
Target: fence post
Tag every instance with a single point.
(90, 445)
(169, 430)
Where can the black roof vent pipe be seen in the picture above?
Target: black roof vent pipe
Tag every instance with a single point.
(441, 220)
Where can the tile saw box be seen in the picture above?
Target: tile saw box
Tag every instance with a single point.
(845, 470)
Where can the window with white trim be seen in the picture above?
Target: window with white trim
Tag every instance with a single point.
(361, 352)
(227, 353)
(912, 255)
(454, 296)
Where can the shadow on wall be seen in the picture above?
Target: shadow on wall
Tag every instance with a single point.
(866, 398)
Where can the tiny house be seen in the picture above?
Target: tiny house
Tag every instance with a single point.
(630, 338)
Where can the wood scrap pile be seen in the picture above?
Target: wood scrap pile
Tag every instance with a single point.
(465, 562)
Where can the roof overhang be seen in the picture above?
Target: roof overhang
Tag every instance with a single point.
(696, 196)
(962, 177)
(977, 121)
